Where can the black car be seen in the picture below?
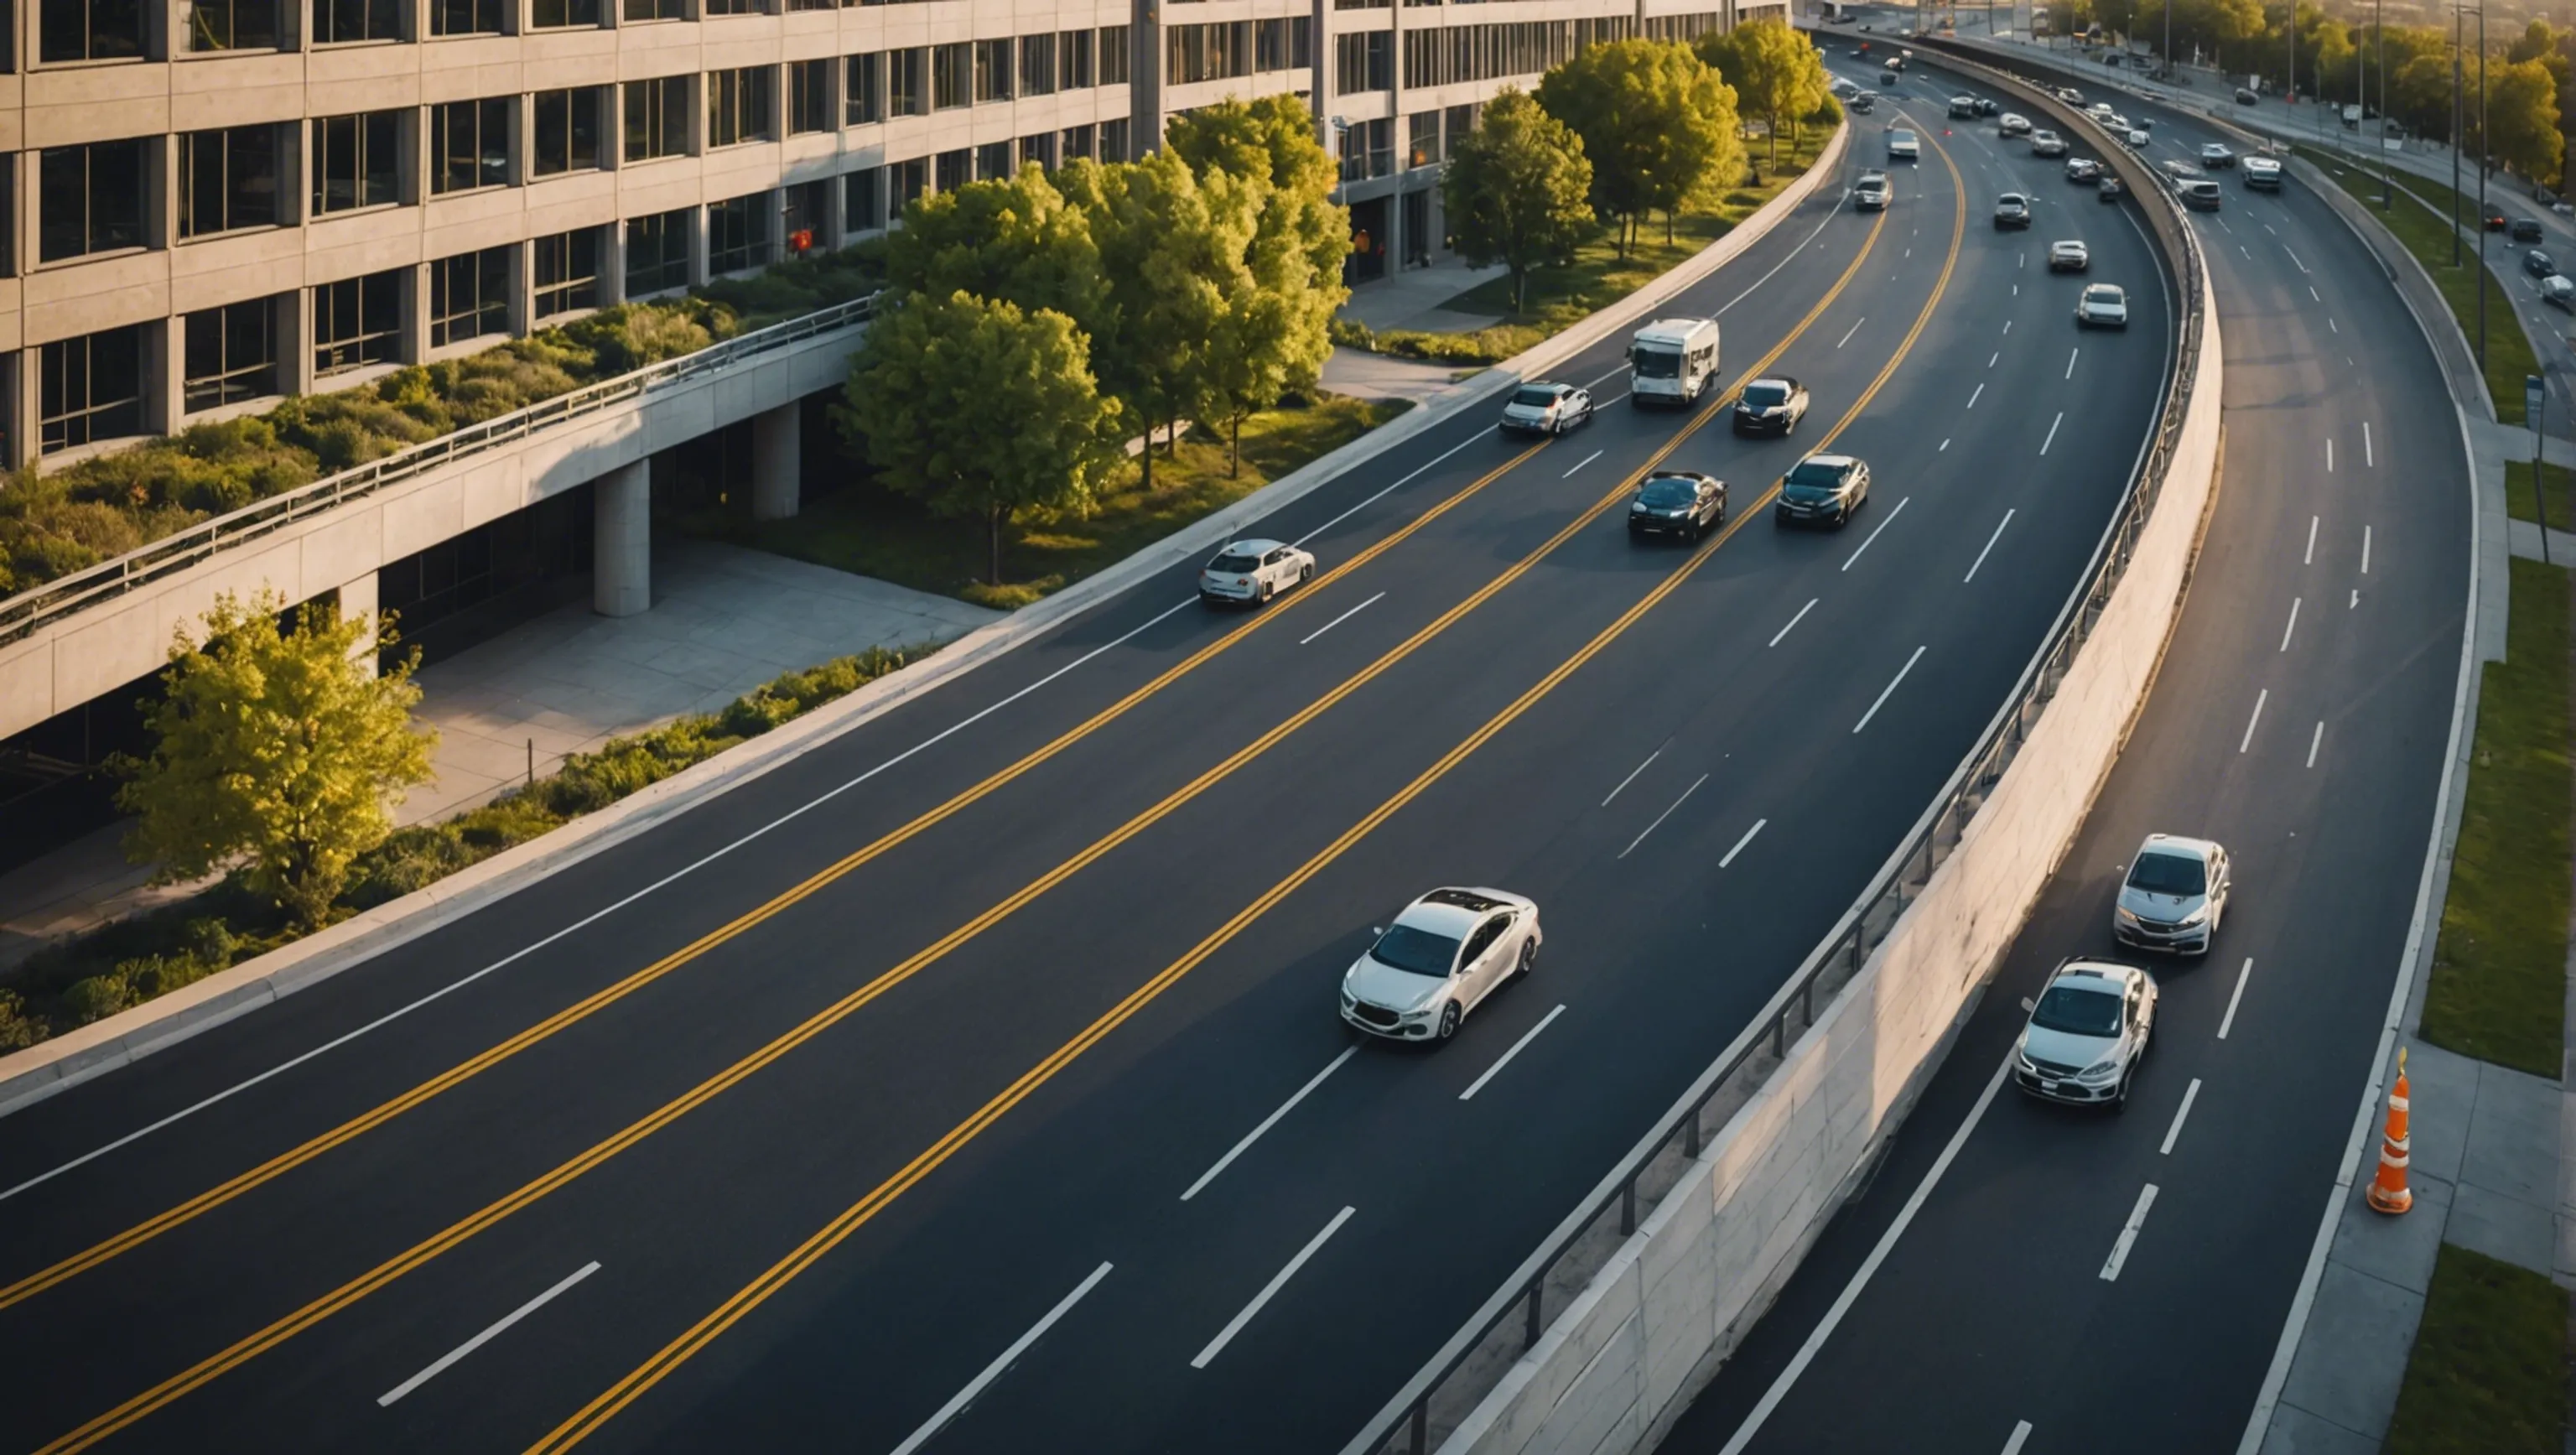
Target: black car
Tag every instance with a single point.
(1770, 406)
(1822, 490)
(1677, 503)
(2496, 221)
(1986, 106)
(2525, 230)
(2012, 210)
(2538, 264)
(2245, 97)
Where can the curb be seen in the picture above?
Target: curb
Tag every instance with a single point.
(79, 1055)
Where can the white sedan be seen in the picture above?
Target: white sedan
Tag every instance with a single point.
(2088, 1032)
(2069, 256)
(2104, 305)
(1438, 961)
(1251, 572)
(1544, 408)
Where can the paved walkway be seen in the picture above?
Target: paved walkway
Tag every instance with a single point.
(1419, 297)
(724, 620)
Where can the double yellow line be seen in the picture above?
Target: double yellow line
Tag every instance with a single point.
(356, 1289)
(671, 1356)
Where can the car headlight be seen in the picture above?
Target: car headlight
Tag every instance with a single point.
(2101, 1070)
(2126, 915)
(2196, 917)
(1424, 1010)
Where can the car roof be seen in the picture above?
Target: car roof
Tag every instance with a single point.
(2091, 288)
(1781, 379)
(1654, 475)
(1550, 385)
(2201, 849)
(1834, 461)
(1450, 911)
(1255, 545)
(2013, 197)
(2067, 242)
(2112, 972)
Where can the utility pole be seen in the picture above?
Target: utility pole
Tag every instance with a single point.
(2379, 39)
(2457, 20)
(2482, 187)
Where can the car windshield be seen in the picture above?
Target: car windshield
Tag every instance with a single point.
(1658, 363)
(2101, 295)
(1815, 475)
(1234, 561)
(2078, 1011)
(1417, 952)
(1664, 492)
(2169, 874)
(2010, 200)
(1902, 138)
(1535, 398)
(1763, 396)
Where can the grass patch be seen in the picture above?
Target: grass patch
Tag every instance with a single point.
(2489, 1371)
(133, 960)
(873, 532)
(2557, 481)
(2499, 983)
(2427, 234)
(1592, 280)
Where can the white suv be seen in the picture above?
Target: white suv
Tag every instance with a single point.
(2173, 896)
(1248, 573)
(2087, 1034)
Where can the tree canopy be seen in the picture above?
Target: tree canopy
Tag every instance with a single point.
(1516, 190)
(1017, 238)
(1777, 73)
(1657, 125)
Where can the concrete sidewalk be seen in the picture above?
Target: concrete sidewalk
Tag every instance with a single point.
(1419, 298)
(724, 620)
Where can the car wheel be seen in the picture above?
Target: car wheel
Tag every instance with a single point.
(1305, 573)
(2120, 1098)
(1449, 1020)
(1263, 597)
(1529, 959)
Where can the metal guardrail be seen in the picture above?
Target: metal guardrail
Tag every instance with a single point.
(1510, 1323)
(31, 610)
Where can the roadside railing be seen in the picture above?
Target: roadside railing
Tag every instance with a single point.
(1510, 1323)
(31, 610)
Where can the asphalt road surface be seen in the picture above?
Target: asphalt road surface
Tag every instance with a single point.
(2300, 718)
(788, 1124)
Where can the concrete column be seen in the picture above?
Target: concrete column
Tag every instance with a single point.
(358, 599)
(621, 579)
(777, 461)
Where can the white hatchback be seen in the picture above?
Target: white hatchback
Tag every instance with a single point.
(1443, 955)
(1251, 572)
(2088, 1032)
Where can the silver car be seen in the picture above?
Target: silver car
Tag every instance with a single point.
(2173, 896)
(2102, 305)
(2087, 1034)
(1248, 573)
(1543, 408)
(1443, 955)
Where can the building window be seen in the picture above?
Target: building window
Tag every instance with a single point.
(1037, 64)
(92, 389)
(90, 199)
(905, 181)
(338, 22)
(993, 70)
(1444, 55)
(1113, 140)
(469, 296)
(231, 355)
(654, 10)
(1281, 45)
(89, 30)
(737, 106)
(993, 160)
(741, 233)
(864, 98)
(465, 17)
(1364, 61)
(568, 127)
(952, 75)
(1076, 142)
(1221, 51)
(357, 322)
(562, 14)
(809, 97)
(227, 180)
(469, 144)
(1039, 149)
(657, 253)
(1113, 55)
(235, 25)
(1073, 60)
(806, 216)
(713, 8)
(1424, 139)
(1462, 120)
(657, 118)
(863, 200)
(356, 161)
(906, 91)
(567, 272)
(952, 170)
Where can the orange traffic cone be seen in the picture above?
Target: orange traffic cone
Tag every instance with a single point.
(2388, 1191)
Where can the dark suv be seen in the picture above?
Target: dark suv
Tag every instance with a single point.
(1822, 490)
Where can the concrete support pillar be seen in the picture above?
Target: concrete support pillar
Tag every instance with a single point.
(621, 571)
(777, 461)
(358, 599)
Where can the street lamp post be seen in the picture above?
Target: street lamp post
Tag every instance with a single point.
(2379, 40)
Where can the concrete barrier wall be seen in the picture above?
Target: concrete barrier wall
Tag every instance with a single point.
(1624, 1358)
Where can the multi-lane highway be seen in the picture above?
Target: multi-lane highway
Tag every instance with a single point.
(2021, 1278)
(974, 1081)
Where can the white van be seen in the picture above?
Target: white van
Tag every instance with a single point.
(1675, 359)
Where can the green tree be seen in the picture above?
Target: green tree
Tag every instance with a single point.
(2522, 120)
(981, 409)
(1657, 125)
(276, 751)
(1515, 190)
(1272, 140)
(1777, 73)
(1017, 239)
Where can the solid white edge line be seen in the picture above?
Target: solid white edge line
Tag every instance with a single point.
(2021, 1432)
(1830, 214)
(2052, 431)
(2190, 1094)
(964, 1397)
(1640, 768)
(2247, 741)
(1874, 533)
(1269, 1290)
(1729, 856)
(1272, 1120)
(1345, 616)
(1784, 631)
(1659, 818)
(1990, 545)
(1506, 1058)
(2316, 740)
(1579, 464)
(2244, 973)
(448, 1360)
(1843, 1302)
(1410, 476)
(2128, 1234)
(1885, 692)
(2292, 625)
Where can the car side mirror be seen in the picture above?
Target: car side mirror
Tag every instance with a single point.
(1377, 929)
(2028, 1004)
